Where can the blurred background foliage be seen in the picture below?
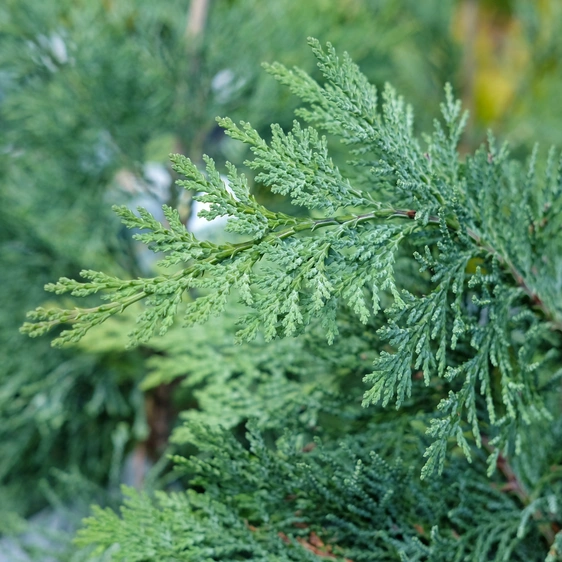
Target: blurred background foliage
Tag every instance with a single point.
(94, 95)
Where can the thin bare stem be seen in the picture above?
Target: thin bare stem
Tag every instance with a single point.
(196, 19)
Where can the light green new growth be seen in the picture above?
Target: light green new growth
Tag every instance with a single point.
(481, 229)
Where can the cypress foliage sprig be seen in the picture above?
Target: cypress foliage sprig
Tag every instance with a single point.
(483, 231)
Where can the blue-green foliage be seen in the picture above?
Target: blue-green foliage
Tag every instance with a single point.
(337, 499)
(493, 291)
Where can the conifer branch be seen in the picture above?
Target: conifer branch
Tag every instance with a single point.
(292, 272)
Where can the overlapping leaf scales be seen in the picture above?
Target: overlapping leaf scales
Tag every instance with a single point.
(422, 337)
(346, 98)
(443, 164)
(302, 275)
(297, 164)
(346, 106)
(350, 86)
(366, 259)
(419, 330)
(493, 372)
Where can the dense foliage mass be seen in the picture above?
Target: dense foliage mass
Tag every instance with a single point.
(444, 270)
(93, 98)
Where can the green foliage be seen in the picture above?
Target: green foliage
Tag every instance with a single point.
(89, 94)
(336, 499)
(477, 330)
(442, 270)
(233, 383)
